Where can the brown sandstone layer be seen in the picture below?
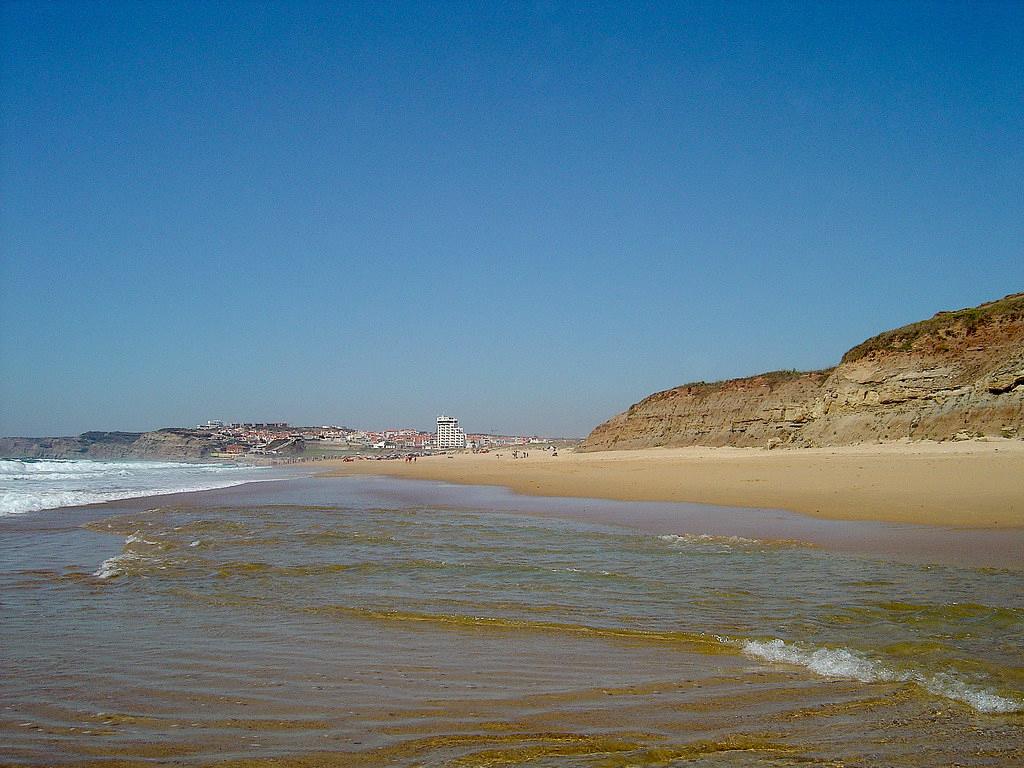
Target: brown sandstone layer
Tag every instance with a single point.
(955, 376)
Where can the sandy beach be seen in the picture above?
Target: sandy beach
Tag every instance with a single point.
(962, 484)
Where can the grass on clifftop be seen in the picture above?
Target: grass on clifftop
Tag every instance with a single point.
(1008, 308)
(969, 320)
(769, 377)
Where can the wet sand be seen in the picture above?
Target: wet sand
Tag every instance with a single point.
(969, 484)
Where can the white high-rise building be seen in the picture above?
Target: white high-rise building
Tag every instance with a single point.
(449, 434)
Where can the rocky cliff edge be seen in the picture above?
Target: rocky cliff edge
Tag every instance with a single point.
(166, 444)
(956, 375)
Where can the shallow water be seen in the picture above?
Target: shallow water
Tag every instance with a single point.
(377, 622)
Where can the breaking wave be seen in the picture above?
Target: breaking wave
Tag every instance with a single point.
(30, 486)
(709, 543)
(844, 663)
(114, 566)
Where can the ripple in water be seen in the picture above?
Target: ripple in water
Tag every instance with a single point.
(404, 625)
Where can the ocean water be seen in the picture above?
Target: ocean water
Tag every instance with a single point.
(364, 621)
(29, 485)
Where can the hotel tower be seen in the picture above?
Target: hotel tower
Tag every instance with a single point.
(449, 434)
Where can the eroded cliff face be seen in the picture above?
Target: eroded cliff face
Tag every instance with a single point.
(959, 374)
(173, 444)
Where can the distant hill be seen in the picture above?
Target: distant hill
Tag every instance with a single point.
(958, 374)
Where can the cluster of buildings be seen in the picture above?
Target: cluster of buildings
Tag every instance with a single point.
(275, 437)
(448, 435)
(254, 437)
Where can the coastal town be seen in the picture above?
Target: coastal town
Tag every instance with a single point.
(239, 439)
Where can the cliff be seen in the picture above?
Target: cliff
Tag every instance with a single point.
(958, 374)
(171, 444)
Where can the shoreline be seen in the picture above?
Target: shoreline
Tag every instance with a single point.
(999, 548)
(899, 542)
(753, 494)
(969, 484)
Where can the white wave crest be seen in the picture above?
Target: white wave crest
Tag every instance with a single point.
(30, 486)
(704, 538)
(135, 538)
(84, 468)
(708, 543)
(842, 662)
(114, 566)
(20, 503)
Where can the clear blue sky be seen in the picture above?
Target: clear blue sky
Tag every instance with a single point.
(529, 215)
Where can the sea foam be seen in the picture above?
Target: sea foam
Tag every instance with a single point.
(703, 542)
(845, 663)
(704, 538)
(30, 486)
(114, 566)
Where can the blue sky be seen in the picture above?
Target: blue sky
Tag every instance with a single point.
(528, 215)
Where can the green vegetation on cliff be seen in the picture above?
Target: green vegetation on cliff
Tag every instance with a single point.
(943, 325)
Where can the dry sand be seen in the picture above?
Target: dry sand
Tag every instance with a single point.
(964, 484)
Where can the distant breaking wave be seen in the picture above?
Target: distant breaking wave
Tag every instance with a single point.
(708, 543)
(30, 486)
